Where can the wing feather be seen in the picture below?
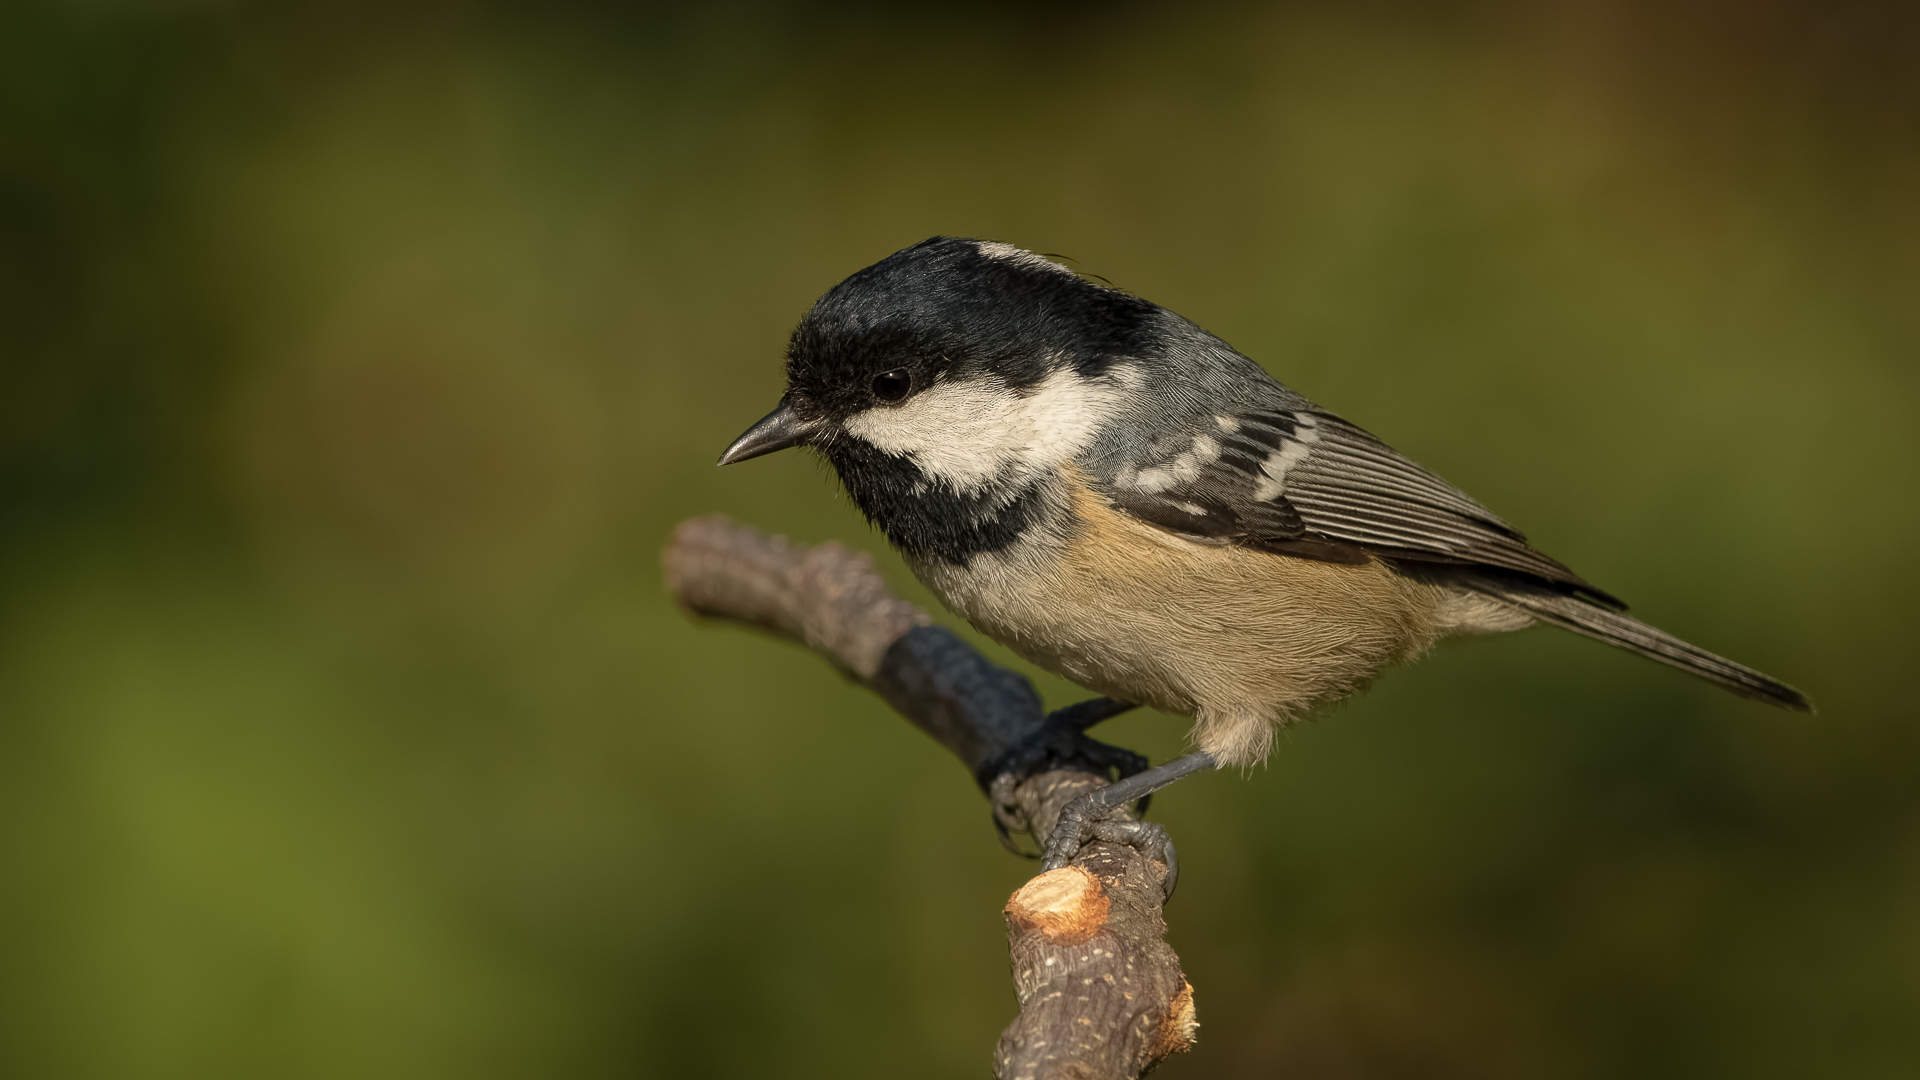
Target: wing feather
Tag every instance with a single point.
(1304, 482)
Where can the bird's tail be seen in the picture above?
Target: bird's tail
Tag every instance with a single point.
(1585, 617)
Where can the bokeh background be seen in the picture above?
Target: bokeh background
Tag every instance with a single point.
(356, 359)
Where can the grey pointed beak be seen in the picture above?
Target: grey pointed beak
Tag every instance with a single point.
(778, 430)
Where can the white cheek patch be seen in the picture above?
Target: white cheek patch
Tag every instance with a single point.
(970, 433)
(1291, 452)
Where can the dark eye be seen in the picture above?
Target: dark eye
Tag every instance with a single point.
(891, 386)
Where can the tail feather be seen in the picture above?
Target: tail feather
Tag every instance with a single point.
(1635, 636)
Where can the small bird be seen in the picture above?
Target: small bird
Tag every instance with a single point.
(1125, 500)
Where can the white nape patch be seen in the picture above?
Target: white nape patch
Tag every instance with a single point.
(970, 433)
(1227, 424)
(1009, 253)
(1291, 452)
(1130, 376)
(1184, 469)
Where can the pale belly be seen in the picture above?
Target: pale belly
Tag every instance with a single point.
(1238, 639)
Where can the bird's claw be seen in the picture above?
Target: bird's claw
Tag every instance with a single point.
(1061, 741)
(1086, 819)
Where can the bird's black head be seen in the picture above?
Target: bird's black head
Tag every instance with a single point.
(946, 311)
(954, 309)
(958, 367)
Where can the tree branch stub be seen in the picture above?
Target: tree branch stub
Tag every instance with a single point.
(1101, 993)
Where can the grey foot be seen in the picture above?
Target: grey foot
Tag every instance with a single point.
(1086, 819)
(1062, 742)
(1090, 817)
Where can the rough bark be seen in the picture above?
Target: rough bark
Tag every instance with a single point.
(1101, 993)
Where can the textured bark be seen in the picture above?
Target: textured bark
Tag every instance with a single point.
(1101, 993)
(827, 597)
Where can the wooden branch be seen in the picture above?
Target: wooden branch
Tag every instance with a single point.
(1101, 993)
(826, 597)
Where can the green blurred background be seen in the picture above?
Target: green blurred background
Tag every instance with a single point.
(356, 359)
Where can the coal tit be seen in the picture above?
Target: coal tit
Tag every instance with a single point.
(1125, 500)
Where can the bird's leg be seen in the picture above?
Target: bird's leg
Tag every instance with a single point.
(1066, 733)
(1061, 740)
(1089, 817)
(1082, 715)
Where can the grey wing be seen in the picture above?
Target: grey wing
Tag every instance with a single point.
(1299, 481)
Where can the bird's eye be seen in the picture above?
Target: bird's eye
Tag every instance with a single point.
(891, 386)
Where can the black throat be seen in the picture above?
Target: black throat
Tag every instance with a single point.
(925, 516)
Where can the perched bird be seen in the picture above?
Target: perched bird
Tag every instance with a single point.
(1125, 500)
